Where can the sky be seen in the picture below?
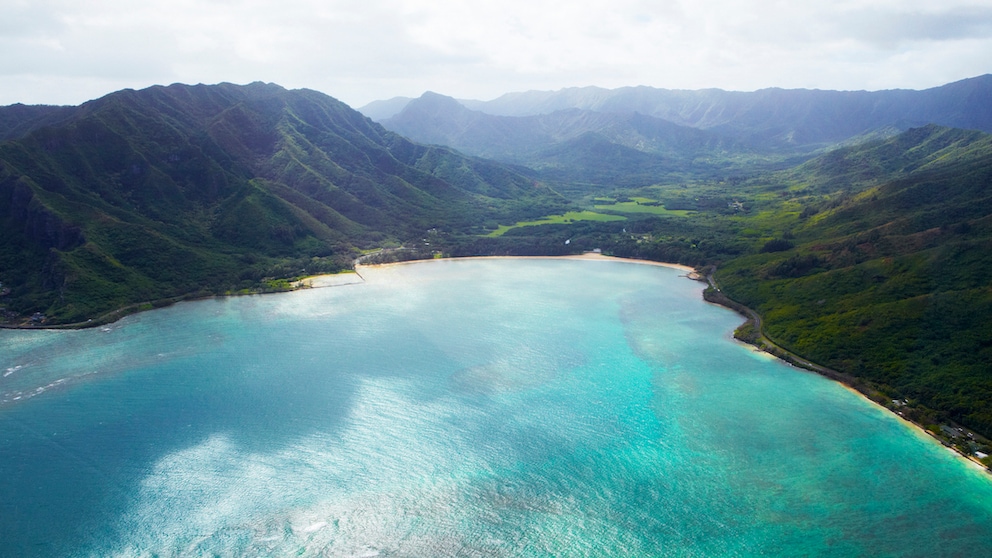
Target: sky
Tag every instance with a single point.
(71, 51)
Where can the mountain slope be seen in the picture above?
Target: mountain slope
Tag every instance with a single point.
(888, 277)
(381, 110)
(19, 120)
(144, 195)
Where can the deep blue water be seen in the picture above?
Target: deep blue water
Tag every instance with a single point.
(459, 408)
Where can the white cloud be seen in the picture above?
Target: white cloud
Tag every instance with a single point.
(58, 51)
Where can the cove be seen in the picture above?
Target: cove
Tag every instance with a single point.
(459, 408)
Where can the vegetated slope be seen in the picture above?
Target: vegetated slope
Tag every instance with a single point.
(143, 195)
(773, 117)
(18, 120)
(882, 269)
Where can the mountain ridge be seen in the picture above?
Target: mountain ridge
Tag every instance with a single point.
(541, 142)
(797, 117)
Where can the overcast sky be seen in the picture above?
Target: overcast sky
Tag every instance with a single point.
(70, 51)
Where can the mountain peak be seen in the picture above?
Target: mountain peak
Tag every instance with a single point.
(381, 110)
(444, 116)
(434, 101)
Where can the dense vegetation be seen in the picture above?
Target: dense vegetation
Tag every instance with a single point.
(887, 276)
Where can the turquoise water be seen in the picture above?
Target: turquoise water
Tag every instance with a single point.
(459, 408)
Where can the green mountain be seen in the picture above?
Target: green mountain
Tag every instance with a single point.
(168, 191)
(877, 263)
(18, 120)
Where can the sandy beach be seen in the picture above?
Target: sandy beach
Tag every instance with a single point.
(919, 430)
(330, 280)
(589, 256)
(595, 256)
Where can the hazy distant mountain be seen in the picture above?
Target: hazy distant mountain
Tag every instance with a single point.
(571, 144)
(381, 110)
(441, 120)
(142, 195)
(772, 117)
(438, 119)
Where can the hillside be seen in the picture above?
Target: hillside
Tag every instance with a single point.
(18, 120)
(168, 191)
(879, 265)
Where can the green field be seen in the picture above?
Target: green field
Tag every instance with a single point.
(570, 217)
(636, 205)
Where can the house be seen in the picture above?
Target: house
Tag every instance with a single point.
(952, 432)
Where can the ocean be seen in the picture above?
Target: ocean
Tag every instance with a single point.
(491, 407)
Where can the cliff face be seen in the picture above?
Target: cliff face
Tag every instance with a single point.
(33, 230)
(39, 224)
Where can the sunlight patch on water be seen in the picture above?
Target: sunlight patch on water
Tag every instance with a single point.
(394, 461)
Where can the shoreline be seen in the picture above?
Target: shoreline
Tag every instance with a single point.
(327, 280)
(921, 431)
(760, 343)
(587, 256)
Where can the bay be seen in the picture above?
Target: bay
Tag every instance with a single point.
(459, 408)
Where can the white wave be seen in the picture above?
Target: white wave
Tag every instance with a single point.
(315, 527)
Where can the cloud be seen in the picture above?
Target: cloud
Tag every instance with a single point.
(887, 30)
(360, 50)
